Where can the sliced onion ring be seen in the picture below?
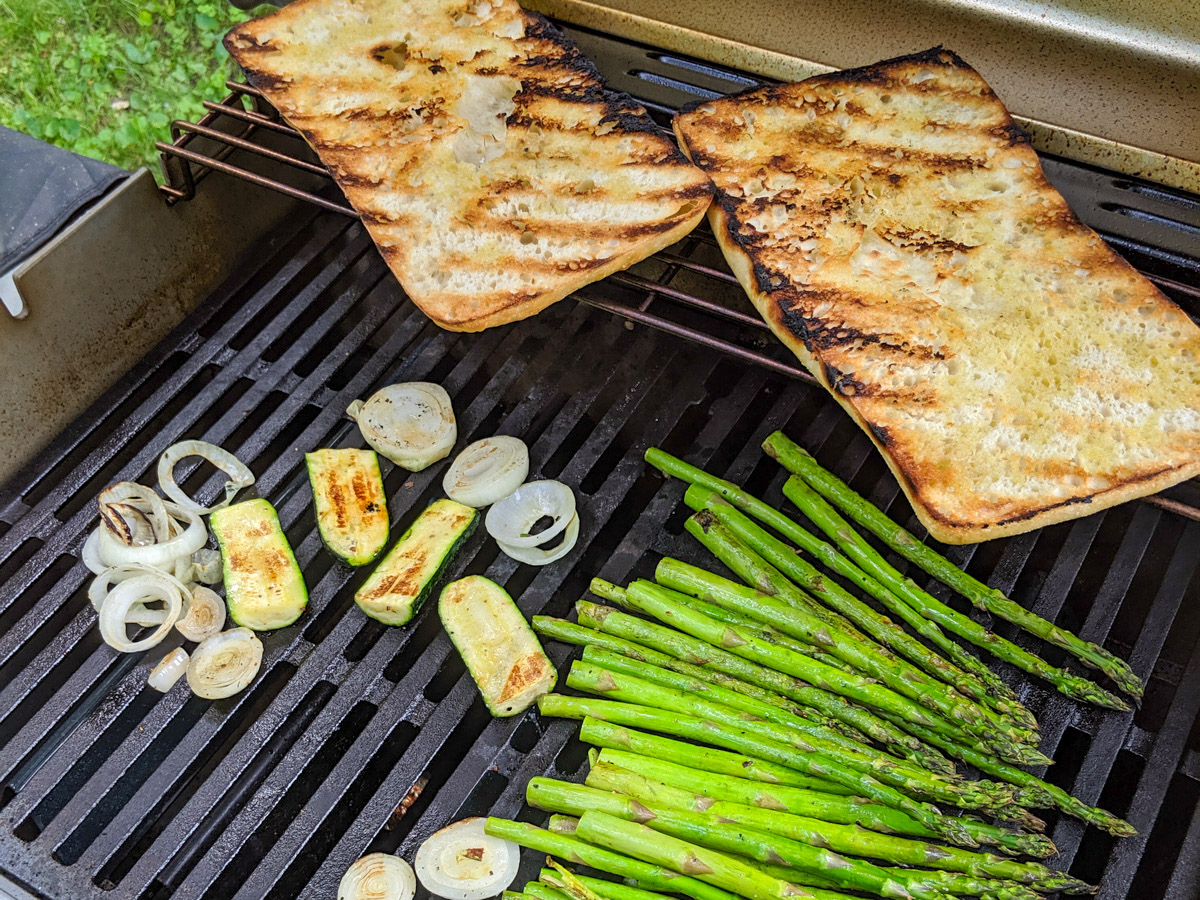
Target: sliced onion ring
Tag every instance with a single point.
(205, 615)
(239, 474)
(536, 556)
(412, 424)
(141, 498)
(462, 862)
(378, 876)
(124, 600)
(169, 670)
(224, 664)
(487, 471)
(101, 585)
(509, 520)
(160, 555)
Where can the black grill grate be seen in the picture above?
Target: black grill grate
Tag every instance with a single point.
(109, 790)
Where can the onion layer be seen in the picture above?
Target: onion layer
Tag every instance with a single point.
(205, 615)
(487, 471)
(123, 603)
(169, 670)
(120, 501)
(160, 555)
(461, 862)
(206, 565)
(511, 519)
(224, 664)
(239, 474)
(411, 424)
(536, 556)
(378, 876)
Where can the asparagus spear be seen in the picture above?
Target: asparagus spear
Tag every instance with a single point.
(780, 555)
(615, 863)
(562, 630)
(631, 689)
(783, 608)
(601, 733)
(657, 797)
(950, 882)
(691, 649)
(817, 765)
(708, 865)
(785, 721)
(839, 563)
(610, 890)
(1034, 791)
(811, 804)
(540, 891)
(830, 487)
(710, 831)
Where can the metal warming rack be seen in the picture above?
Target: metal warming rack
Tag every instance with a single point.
(357, 737)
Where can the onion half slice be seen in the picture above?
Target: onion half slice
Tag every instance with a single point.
(378, 876)
(239, 473)
(411, 424)
(461, 862)
(487, 471)
(510, 520)
(224, 664)
(169, 670)
(205, 615)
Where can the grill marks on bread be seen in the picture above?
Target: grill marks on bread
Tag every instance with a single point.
(894, 227)
(486, 157)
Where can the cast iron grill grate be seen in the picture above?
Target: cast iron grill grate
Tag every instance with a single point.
(108, 790)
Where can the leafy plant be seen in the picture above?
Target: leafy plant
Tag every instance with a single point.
(106, 77)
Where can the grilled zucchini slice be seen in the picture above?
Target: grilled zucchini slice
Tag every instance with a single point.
(264, 588)
(409, 573)
(501, 651)
(351, 507)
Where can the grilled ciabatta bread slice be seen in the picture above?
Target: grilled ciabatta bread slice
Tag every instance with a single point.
(490, 164)
(895, 230)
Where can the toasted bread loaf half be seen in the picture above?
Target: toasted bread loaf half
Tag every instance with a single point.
(894, 228)
(490, 164)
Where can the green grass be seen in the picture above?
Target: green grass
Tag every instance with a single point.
(106, 77)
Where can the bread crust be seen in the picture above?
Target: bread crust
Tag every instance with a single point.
(885, 356)
(489, 162)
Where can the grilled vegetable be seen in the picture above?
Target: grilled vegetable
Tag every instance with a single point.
(487, 471)
(224, 664)
(462, 862)
(239, 473)
(378, 876)
(351, 506)
(409, 573)
(412, 424)
(205, 615)
(500, 649)
(169, 670)
(264, 588)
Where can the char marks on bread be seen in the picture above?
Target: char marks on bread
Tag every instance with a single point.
(894, 228)
(486, 157)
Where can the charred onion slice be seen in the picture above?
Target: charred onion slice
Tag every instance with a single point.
(205, 615)
(461, 862)
(411, 424)
(239, 474)
(161, 555)
(126, 603)
(378, 876)
(224, 664)
(487, 471)
(169, 670)
(511, 520)
(125, 498)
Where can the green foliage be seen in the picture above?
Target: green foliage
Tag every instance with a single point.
(106, 77)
